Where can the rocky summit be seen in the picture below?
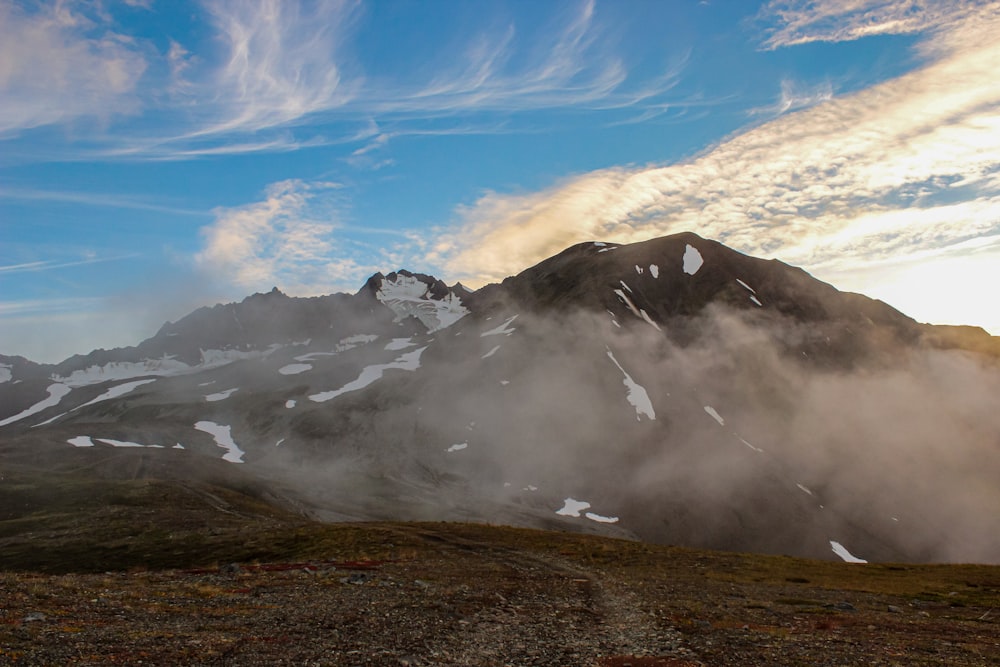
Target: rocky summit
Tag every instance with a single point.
(673, 391)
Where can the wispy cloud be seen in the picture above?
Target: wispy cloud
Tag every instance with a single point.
(102, 200)
(285, 65)
(803, 21)
(51, 265)
(59, 63)
(908, 166)
(287, 240)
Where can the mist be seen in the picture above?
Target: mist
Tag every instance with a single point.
(897, 458)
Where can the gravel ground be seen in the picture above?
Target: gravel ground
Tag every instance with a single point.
(466, 602)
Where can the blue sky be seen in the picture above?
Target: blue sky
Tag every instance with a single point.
(160, 155)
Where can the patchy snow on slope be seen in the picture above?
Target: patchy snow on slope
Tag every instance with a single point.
(844, 554)
(491, 352)
(223, 436)
(295, 369)
(5, 373)
(601, 519)
(118, 443)
(344, 345)
(116, 391)
(504, 329)
(458, 447)
(51, 419)
(572, 507)
(56, 393)
(222, 395)
(628, 302)
(715, 415)
(645, 316)
(407, 362)
(399, 344)
(692, 260)
(745, 286)
(290, 403)
(636, 395)
(165, 366)
(408, 296)
(81, 441)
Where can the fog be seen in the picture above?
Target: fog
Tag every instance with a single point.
(900, 453)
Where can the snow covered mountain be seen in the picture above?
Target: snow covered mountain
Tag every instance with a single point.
(672, 390)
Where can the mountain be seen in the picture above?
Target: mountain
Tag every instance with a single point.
(674, 391)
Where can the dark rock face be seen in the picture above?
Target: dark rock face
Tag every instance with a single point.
(673, 390)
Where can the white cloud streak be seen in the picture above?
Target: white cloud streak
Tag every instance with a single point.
(804, 21)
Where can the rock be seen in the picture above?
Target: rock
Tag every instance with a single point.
(230, 568)
(894, 609)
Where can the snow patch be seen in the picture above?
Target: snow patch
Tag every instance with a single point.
(399, 344)
(5, 373)
(654, 270)
(223, 436)
(504, 329)
(628, 302)
(457, 448)
(844, 554)
(627, 288)
(81, 441)
(290, 403)
(756, 449)
(165, 366)
(572, 507)
(756, 301)
(692, 260)
(116, 391)
(802, 488)
(56, 393)
(278, 444)
(408, 296)
(119, 443)
(407, 362)
(600, 244)
(222, 395)
(295, 369)
(715, 415)
(649, 320)
(601, 519)
(491, 352)
(745, 286)
(636, 395)
(638, 269)
(505, 382)
(344, 345)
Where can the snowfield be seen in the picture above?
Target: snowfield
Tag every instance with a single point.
(407, 362)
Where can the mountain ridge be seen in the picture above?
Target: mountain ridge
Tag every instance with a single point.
(672, 390)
